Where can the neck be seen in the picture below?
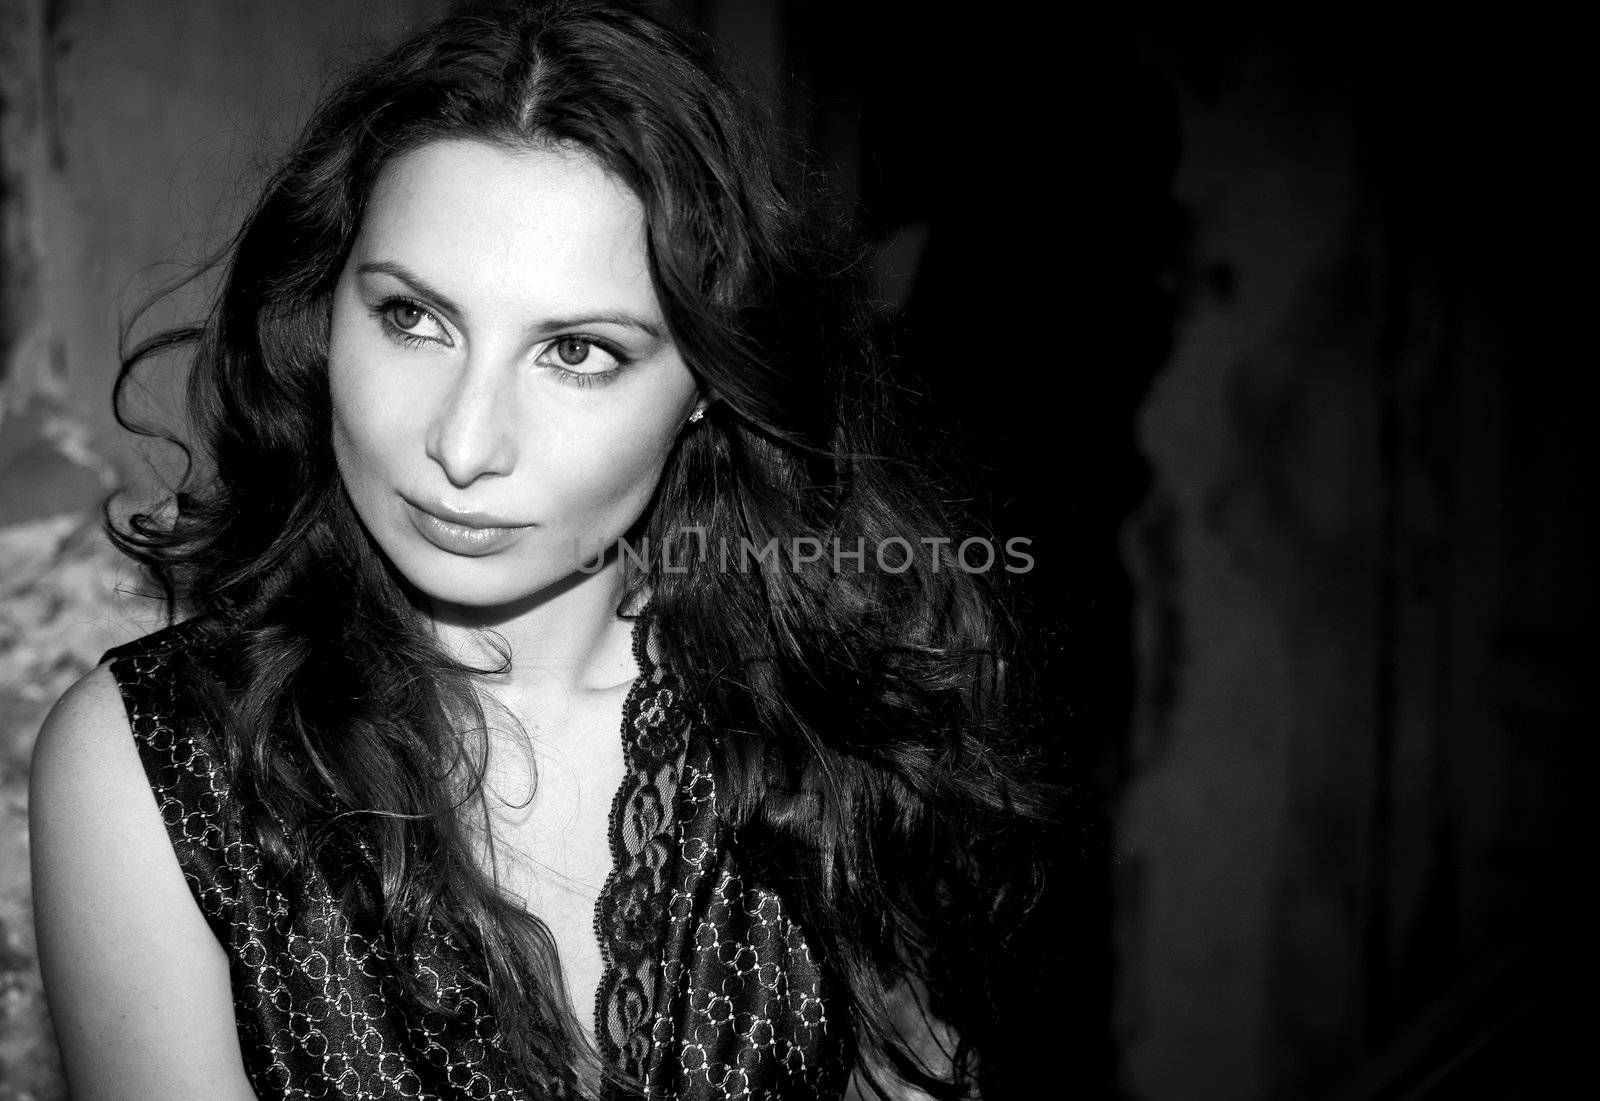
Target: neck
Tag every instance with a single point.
(566, 639)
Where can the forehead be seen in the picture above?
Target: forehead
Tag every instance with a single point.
(546, 224)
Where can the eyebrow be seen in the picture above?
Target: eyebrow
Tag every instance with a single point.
(543, 328)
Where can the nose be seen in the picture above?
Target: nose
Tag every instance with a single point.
(470, 434)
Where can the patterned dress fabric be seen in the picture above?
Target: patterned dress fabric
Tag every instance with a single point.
(710, 991)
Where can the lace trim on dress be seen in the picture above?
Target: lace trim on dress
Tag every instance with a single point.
(631, 912)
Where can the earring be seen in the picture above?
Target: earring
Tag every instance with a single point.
(694, 418)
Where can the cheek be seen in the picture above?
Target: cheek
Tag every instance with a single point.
(348, 426)
(367, 424)
(608, 471)
(369, 413)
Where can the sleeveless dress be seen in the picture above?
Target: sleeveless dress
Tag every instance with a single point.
(709, 991)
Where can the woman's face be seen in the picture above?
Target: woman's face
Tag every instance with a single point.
(504, 387)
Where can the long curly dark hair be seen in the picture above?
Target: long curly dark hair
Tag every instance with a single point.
(876, 736)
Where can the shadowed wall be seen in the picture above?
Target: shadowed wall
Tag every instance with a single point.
(1365, 613)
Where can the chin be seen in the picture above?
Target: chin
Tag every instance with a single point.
(485, 583)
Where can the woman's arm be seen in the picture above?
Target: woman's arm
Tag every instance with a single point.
(137, 983)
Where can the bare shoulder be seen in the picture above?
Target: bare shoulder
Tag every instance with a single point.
(86, 773)
(85, 736)
(137, 984)
(87, 783)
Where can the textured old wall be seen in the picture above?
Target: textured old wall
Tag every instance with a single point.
(130, 133)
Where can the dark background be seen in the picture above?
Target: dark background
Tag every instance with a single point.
(1269, 334)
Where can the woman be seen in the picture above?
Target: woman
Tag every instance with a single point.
(528, 401)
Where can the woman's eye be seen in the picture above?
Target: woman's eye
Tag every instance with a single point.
(411, 323)
(407, 316)
(572, 350)
(581, 359)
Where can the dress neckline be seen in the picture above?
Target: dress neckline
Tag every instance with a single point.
(630, 914)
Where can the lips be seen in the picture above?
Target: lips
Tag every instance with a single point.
(471, 535)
